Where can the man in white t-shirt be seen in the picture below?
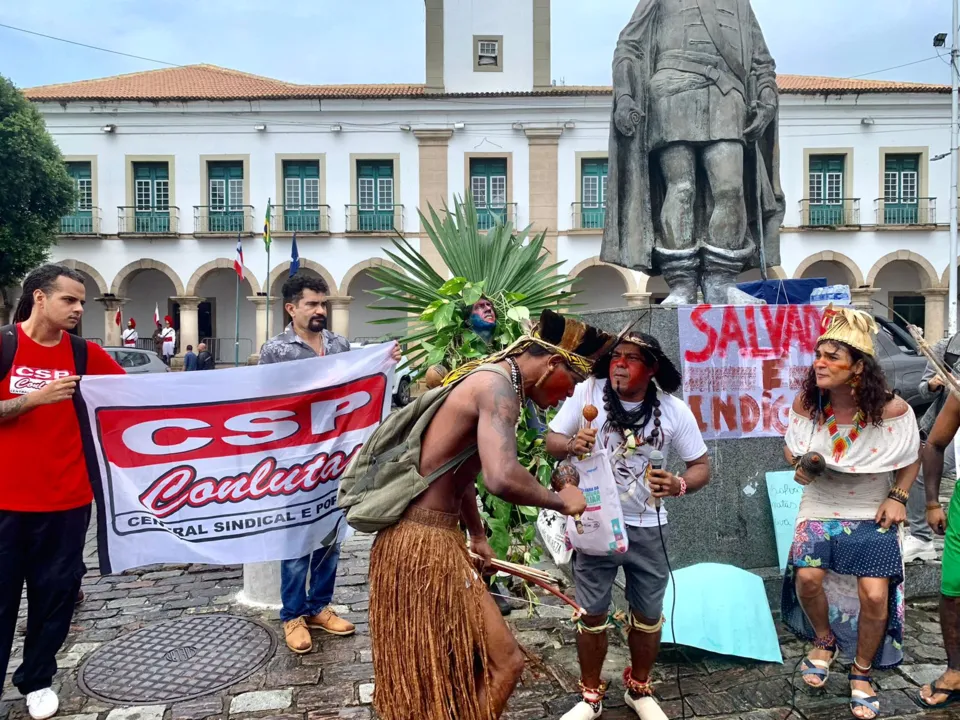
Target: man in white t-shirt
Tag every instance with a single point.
(631, 391)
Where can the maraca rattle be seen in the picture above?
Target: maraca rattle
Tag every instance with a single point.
(589, 414)
(566, 474)
(813, 463)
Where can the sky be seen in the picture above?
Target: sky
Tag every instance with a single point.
(338, 41)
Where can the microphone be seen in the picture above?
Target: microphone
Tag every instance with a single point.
(655, 463)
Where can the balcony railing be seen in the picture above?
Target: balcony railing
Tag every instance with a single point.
(834, 213)
(910, 211)
(589, 216)
(222, 220)
(487, 217)
(81, 222)
(148, 220)
(315, 220)
(379, 219)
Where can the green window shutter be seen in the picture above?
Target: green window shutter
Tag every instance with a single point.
(488, 188)
(225, 197)
(151, 197)
(901, 189)
(825, 190)
(375, 195)
(301, 196)
(593, 192)
(80, 221)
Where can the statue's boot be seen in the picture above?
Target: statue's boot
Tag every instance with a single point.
(681, 270)
(720, 270)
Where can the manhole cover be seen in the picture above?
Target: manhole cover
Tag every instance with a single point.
(177, 660)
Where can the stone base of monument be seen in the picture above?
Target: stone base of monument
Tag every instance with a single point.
(730, 520)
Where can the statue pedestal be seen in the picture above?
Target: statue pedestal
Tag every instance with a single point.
(729, 521)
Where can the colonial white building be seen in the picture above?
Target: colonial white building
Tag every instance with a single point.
(172, 164)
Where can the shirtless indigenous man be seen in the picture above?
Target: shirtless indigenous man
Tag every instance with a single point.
(441, 648)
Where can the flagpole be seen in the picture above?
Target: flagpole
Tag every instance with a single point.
(268, 241)
(236, 343)
(267, 338)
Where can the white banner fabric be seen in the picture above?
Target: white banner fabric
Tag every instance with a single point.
(232, 466)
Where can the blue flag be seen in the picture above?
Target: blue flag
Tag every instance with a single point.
(294, 257)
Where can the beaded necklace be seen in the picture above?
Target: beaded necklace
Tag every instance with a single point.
(630, 423)
(840, 443)
(516, 377)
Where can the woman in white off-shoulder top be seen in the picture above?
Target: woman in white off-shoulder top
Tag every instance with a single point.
(843, 588)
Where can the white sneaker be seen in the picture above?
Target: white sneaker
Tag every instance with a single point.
(916, 549)
(42, 704)
(584, 711)
(646, 707)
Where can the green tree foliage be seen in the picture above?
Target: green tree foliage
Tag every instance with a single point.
(35, 189)
(506, 266)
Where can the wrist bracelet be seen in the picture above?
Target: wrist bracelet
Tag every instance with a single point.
(934, 506)
(901, 496)
(683, 488)
(570, 445)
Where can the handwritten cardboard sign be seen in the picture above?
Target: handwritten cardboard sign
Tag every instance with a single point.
(743, 365)
(785, 494)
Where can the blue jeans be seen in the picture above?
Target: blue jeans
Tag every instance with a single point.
(298, 599)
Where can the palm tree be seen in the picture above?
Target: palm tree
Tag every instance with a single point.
(505, 265)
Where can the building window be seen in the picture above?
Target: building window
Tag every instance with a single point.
(301, 196)
(375, 207)
(825, 190)
(152, 197)
(225, 212)
(908, 309)
(80, 221)
(487, 53)
(593, 193)
(901, 183)
(488, 187)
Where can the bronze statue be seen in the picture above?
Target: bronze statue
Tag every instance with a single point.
(694, 161)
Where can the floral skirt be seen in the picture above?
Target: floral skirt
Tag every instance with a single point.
(847, 550)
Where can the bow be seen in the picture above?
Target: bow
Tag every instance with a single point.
(538, 578)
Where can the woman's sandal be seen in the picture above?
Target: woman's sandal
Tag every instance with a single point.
(860, 698)
(820, 668)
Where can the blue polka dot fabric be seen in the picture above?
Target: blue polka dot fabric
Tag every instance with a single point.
(847, 550)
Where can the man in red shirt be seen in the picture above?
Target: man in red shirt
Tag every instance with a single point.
(45, 493)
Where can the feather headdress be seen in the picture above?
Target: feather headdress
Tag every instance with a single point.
(849, 326)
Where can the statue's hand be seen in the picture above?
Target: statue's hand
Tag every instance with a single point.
(761, 115)
(627, 116)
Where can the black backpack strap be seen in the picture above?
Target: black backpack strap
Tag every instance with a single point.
(8, 348)
(79, 347)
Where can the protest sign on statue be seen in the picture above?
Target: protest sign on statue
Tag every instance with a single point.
(233, 466)
(743, 365)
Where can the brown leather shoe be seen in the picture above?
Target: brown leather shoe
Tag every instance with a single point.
(297, 636)
(329, 621)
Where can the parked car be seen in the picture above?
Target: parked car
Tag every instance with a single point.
(402, 381)
(902, 363)
(135, 360)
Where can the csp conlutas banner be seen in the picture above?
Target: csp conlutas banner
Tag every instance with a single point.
(233, 466)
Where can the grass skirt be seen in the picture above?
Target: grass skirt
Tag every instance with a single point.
(426, 621)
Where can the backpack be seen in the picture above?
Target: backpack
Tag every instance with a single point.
(9, 338)
(384, 478)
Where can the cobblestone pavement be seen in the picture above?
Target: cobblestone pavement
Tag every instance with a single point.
(336, 679)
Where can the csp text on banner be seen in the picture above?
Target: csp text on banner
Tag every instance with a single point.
(235, 466)
(743, 365)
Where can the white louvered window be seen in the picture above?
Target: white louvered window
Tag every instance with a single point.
(236, 193)
(84, 194)
(908, 186)
(291, 193)
(311, 193)
(143, 195)
(163, 194)
(366, 192)
(218, 198)
(385, 193)
(891, 189)
(478, 188)
(498, 191)
(834, 188)
(591, 191)
(816, 187)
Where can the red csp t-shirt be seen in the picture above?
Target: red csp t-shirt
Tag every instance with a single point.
(43, 468)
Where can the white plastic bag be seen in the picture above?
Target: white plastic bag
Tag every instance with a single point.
(603, 530)
(552, 527)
